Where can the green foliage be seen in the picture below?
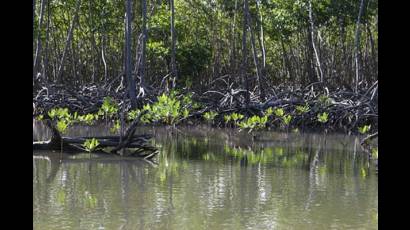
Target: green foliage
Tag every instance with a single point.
(254, 122)
(185, 113)
(60, 114)
(210, 116)
(108, 108)
(39, 117)
(279, 112)
(364, 129)
(62, 126)
(375, 153)
(323, 117)
(286, 119)
(88, 119)
(115, 127)
(235, 117)
(227, 118)
(269, 111)
(302, 109)
(168, 109)
(90, 145)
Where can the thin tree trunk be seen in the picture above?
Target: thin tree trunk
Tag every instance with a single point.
(255, 60)
(128, 57)
(38, 47)
(68, 41)
(144, 41)
(173, 42)
(262, 43)
(312, 32)
(233, 41)
(357, 46)
(103, 58)
(46, 55)
(245, 53)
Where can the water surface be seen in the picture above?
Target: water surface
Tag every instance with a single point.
(209, 179)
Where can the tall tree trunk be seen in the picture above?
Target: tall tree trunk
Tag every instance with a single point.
(357, 46)
(128, 57)
(144, 42)
(173, 42)
(103, 58)
(261, 42)
(244, 67)
(38, 47)
(255, 60)
(312, 32)
(46, 55)
(68, 42)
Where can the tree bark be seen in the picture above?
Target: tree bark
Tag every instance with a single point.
(245, 53)
(144, 41)
(173, 43)
(128, 57)
(357, 46)
(68, 41)
(38, 46)
(312, 32)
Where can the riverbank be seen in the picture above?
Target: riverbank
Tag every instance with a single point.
(314, 108)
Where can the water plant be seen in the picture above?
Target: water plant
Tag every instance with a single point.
(269, 111)
(88, 118)
(210, 116)
(115, 127)
(302, 109)
(167, 109)
(62, 126)
(254, 122)
(279, 112)
(323, 117)
(60, 114)
(364, 129)
(90, 145)
(235, 117)
(286, 119)
(108, 108)
(375, 153)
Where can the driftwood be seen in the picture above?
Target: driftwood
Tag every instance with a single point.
(129, 145)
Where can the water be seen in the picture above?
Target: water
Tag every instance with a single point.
(210, 179)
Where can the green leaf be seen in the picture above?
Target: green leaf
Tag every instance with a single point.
(323, 117)
(364, 129)
(62, 126)
(279, 112)
(91, 144)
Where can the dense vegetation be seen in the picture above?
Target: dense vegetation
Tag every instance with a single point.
(277, 63)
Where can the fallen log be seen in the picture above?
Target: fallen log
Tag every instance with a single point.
(129, 145)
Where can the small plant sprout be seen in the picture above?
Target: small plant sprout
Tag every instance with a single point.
(364, 129)
(323, 117)
(375, 153)
(254, 122)
(269, 112)
(279, 112)
(302, 109)
(109, 108)
(227, 118)
(210, 116)
(90, 145)
(115, 127)
(39, 117)
(185, 113)
(62, 126)
(286, 119)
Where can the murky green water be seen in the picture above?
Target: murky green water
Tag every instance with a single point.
(210, 179)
